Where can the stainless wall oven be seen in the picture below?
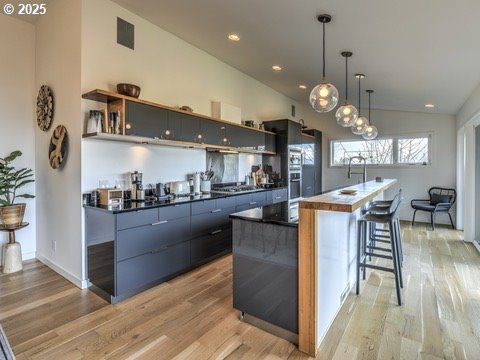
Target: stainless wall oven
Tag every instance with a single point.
(295, 185)
(294, 172)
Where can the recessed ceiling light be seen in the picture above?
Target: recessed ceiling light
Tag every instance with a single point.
(233, 37)
(303, 87)
(429, 106)
(277, 67)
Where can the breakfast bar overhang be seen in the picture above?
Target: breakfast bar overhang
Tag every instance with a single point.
(327, 256)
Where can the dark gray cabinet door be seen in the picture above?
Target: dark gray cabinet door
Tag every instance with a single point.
(202, 207)
(173, 212)
(215, 132)
(209, 223)
(151, 268)
(136, 218)
(206, 247)
(140, 240)
(259, 199)
(270, 142)
(145, 120)
(279, 195)
(308, 181)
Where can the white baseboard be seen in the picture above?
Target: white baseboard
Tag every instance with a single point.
(82, 284)
(477, 245)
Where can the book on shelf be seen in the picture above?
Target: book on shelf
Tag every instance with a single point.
(102, 121)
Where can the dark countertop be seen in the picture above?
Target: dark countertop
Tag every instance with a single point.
(133, 205)
(272, 214)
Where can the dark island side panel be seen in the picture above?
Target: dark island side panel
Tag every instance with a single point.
(265, 272)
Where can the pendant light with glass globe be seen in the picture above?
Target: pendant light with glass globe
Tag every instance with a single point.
(324, 96)
(347, 113)
(371, 132)
(361, 123)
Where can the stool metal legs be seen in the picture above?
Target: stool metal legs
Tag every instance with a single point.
(367, 248)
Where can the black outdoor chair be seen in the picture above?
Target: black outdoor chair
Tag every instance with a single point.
(441, 200)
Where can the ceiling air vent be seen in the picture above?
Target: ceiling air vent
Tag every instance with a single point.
(125, 33)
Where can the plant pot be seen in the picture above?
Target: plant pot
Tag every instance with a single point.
(12, 216)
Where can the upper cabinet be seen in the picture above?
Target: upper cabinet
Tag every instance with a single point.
(146, 122)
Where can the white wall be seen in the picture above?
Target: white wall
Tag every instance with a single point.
(108, 161)
(469, 109)
(466, 119)
(415, 181)
(169, 71)
(59, 211)
(17, 120)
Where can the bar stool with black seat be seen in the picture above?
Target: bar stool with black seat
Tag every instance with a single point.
(367, 248)
(382, 235)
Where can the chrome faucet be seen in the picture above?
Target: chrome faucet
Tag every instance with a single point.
(364, 173)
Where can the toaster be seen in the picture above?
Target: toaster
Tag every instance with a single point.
(110, 196)
(179, 188)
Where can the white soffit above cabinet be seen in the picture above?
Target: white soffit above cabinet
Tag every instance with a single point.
(413, 52)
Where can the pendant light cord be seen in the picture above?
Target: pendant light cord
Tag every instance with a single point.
(324, 50)
(346, 79)
(359, 107)
(369, 117)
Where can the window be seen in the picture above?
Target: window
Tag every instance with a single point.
(413, 151)
(387, 151)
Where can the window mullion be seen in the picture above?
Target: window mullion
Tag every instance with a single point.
(395, 151)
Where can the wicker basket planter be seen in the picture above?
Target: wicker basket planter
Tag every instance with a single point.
(11, 216)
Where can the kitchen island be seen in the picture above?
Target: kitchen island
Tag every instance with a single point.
(327, 257)
(265, 268)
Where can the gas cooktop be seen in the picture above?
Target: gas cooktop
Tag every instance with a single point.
(234, 189)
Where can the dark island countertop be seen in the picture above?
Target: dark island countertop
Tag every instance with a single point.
(271, 214)
(133, 205)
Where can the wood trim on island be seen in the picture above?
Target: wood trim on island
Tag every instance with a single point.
(307, 294)
(310, 225)
(335, 201)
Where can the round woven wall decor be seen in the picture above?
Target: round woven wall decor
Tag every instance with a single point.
(57, 150)
(44, 108)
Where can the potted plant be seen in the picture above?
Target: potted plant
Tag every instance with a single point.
(11, 180)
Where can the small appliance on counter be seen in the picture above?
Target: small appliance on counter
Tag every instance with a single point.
(196, 183)
(179, 188)
(110, 197)
(160, 190)
(138, 193)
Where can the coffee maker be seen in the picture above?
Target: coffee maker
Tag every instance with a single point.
(138, 194)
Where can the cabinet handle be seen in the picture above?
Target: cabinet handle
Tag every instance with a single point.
(216, 232)
(160, 223)
(278, 197)
(216, 210)
(176, 205)
(253, 203)
(309, 187)
(163, 248)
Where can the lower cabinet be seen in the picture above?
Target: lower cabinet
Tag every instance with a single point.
(204, 248)
(130, 251)
(138, 272)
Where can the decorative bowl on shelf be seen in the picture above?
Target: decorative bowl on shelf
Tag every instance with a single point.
(128, 90)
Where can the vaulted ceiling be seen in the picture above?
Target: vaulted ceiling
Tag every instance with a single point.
(413, 51)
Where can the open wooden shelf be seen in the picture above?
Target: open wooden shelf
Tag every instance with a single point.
(109, 97)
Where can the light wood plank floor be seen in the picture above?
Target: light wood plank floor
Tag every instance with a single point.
(191, 317)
